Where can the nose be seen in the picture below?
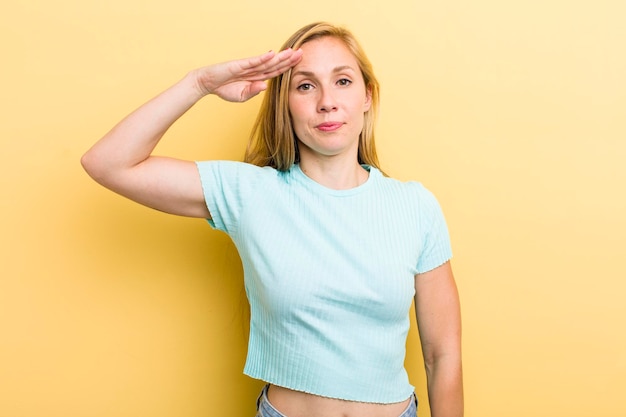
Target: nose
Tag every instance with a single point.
(326, 102)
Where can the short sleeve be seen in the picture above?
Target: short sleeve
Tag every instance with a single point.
(227, 187)
(436, 247)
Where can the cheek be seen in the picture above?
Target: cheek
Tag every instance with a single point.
(297, 110)
(295, 113)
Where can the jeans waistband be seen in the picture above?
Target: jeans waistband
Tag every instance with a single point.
(266, 409)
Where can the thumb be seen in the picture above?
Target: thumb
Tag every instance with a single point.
(254, 88)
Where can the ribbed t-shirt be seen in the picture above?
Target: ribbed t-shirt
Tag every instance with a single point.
(329, 274)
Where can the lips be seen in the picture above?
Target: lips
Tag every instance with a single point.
(329, 126)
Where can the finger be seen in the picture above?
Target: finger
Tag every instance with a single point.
(273, 66)
(256, 61)
(285, 60)
(288, 59)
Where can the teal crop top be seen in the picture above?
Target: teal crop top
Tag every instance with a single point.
(329, 274)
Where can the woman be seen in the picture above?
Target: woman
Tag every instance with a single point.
(333, 251)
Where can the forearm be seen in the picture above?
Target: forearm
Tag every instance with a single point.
(445, 388)
(438, 315)
(133, 139)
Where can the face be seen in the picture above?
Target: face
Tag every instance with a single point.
(327, 100)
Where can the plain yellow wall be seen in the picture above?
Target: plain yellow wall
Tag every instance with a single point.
(513, 113)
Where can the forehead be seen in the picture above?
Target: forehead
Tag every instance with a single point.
(324, 55)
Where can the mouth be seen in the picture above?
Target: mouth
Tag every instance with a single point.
(329, 126)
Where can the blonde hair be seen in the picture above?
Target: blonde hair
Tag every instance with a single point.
(273, 141)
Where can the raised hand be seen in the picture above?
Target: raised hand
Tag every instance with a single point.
(122, 159)
(243, 79)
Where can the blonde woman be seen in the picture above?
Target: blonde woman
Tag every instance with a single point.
(334, 252)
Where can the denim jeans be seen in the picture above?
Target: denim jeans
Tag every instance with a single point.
(265, 409)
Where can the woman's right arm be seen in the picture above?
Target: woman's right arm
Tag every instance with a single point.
(122, 160)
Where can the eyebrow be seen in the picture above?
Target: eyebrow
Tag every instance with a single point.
(311, 74)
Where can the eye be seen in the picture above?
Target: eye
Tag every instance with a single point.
(344, 82)
(304, 87)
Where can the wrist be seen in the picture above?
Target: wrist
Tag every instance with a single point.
(193, 80)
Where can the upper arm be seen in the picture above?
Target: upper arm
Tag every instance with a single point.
(166, 184)
(438, 313)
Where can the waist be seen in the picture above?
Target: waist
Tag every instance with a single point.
(289, 403)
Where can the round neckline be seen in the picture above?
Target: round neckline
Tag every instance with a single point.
(311, 183)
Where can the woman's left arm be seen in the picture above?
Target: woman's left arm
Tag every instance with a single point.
(438, 314)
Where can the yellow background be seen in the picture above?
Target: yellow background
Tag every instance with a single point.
(512, 112)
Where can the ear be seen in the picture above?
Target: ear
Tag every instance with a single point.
(368, 99)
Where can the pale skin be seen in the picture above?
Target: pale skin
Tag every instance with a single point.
(327, 100)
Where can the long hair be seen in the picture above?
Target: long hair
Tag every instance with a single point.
(273, 141)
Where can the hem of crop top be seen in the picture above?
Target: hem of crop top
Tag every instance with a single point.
(268, 381)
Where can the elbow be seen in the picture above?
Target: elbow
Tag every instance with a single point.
(86, 162)
(89, 163)
(95, 167)
(430, 362)
(448, 356)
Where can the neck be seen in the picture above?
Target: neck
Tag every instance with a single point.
(333, 173)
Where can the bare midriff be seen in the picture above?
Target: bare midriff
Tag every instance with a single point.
(301, 404)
